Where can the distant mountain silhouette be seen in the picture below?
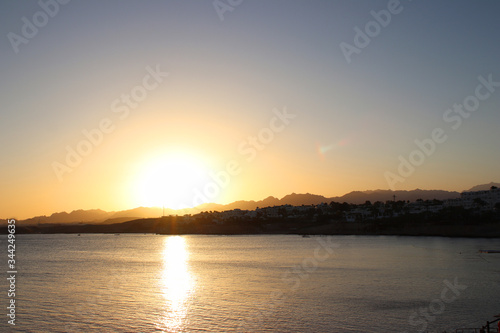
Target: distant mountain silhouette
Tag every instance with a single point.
(80, 215)
(141, 212)
(358, 197)
(242, 204)
(484, 187)
(97, 216)
(355, 197)
(303, 199)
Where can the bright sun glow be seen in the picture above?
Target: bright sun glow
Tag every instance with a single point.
(171, 181)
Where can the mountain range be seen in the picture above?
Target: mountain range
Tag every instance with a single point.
(355, 197)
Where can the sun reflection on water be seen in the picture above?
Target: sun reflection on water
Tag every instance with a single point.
(176, 283)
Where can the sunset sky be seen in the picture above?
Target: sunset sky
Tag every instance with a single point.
(120, 104)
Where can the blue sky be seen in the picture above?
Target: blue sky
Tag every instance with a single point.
(226, 77)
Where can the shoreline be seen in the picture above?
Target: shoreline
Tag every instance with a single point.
(158, 226)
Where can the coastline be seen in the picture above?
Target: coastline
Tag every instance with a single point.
(171, 226)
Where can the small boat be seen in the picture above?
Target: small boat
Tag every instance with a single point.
(489, 251)
(79, 235)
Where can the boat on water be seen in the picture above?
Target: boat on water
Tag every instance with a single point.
(489, 251)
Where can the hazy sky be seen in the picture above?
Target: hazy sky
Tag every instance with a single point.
(270, 97)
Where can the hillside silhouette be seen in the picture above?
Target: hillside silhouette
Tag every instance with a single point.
(294, 199)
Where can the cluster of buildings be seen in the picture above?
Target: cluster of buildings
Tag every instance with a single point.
(287, 211)
(477, 200)
(487, 199)
(480, 201)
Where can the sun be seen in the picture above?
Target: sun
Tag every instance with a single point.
(171, 180)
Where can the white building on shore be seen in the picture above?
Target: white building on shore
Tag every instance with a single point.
(490, 197)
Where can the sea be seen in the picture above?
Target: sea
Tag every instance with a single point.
(251, 283)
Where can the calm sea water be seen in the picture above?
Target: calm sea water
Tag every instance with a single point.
(154, 283)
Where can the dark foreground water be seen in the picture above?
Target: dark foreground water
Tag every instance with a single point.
(153, 283)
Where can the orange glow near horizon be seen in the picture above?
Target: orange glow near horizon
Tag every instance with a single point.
(154, 116)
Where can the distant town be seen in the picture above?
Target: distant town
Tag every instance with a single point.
(478, 201)
(473, 214)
